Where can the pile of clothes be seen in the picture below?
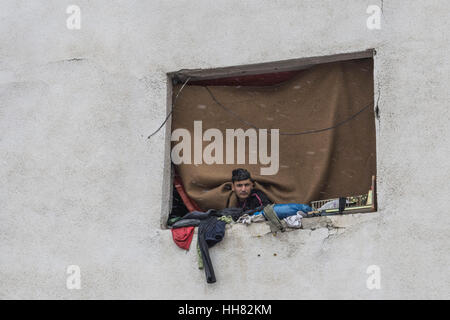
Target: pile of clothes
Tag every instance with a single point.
(211, 226)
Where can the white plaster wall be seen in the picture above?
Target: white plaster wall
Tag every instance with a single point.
(80, 183)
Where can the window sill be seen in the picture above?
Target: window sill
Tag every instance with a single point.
(337, 223)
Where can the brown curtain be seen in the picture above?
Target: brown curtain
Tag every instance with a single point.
(328, 164)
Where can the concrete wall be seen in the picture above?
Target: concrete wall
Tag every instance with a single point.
(81, 185)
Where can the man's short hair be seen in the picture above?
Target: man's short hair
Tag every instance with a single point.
(240, 174)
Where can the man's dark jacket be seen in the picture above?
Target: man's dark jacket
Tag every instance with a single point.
(256, 199)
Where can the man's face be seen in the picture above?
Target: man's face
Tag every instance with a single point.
(243, 188)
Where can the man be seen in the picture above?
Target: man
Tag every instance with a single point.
(248, 197)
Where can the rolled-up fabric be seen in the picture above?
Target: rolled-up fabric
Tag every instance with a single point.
(186, 223)
(285, 210)
(201, 215)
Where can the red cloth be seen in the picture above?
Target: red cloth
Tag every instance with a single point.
(183, 236)
(189, 203)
